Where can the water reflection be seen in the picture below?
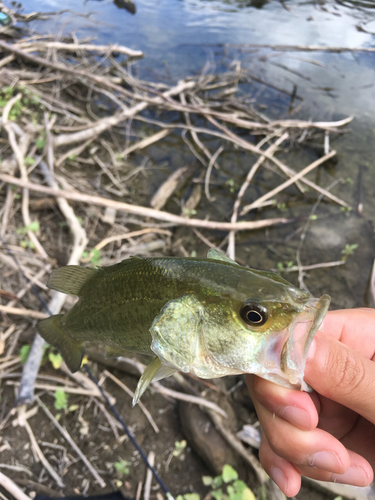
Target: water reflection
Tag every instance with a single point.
(357, 4)
(240, 4)
(128, 5)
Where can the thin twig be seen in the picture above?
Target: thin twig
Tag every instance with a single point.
(12, 488)
(19, 155)
(147, 488)
(73, 47)
(132, 234)
(271, 150)
(31, 367)
(67, 437)
(41, 456)
(143, 211)
(23, 312)
(212, 162)
(131, 394)
(287, 183)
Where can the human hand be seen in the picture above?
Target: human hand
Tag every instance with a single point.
(328, 434)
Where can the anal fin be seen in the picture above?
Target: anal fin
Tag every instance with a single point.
(71, 350)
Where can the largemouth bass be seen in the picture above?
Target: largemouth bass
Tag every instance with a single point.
(210, 317)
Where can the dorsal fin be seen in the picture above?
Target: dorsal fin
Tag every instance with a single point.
(215, 254)
(70, 279)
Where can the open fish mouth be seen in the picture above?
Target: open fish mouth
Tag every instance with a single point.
(301, 333)
(285, 356)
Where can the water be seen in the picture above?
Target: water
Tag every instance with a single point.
(179, 37)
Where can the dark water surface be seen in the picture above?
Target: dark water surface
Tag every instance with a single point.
(179, 37)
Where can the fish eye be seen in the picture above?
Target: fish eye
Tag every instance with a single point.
(254, 314)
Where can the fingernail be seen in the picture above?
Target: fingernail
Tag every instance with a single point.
(326, 460)
(278, 477)
(296, 416)
(356, 476)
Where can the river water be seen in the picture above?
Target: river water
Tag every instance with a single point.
(178, 37)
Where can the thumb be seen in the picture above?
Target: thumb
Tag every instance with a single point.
(337, 372)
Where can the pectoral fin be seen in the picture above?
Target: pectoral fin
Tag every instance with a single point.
(154, 371)
(175, 332)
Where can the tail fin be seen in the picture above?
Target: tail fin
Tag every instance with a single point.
(72, 351)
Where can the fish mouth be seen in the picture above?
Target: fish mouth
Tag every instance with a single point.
(286, 354)
(302, 330)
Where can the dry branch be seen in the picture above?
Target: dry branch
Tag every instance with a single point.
(73, 47)
(287, 183)
(23, 312)
(144, 211)
(12, 488)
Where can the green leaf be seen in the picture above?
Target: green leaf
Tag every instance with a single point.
(73, 408)
(217, 494)
(33, 226)
(191, 496)
(217, 482)
(179, 447)
(55, 359)
(239, 485)
(122, 467)
(40, 143)
(247, 494)
(24, 353)
(95, 256)
(229, 474)
(61, 400)
(207, 480)
(29, 160)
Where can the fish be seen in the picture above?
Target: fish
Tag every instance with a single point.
(209, 316)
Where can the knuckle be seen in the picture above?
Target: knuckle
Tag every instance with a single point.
(276, 441)
(349, 372)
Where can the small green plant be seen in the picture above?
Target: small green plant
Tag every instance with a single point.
(24, 353)
(29, 160)
(188, 496)
(61, 400)
(228, 486)
(346, 210)
(282, 266)
(122, 467)
(40, 142)
(94, 256)
(281, 206)
(348, 250)
(33, 227)
(231, 184)
(179, 447)
(189, 212)
(55, 359)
